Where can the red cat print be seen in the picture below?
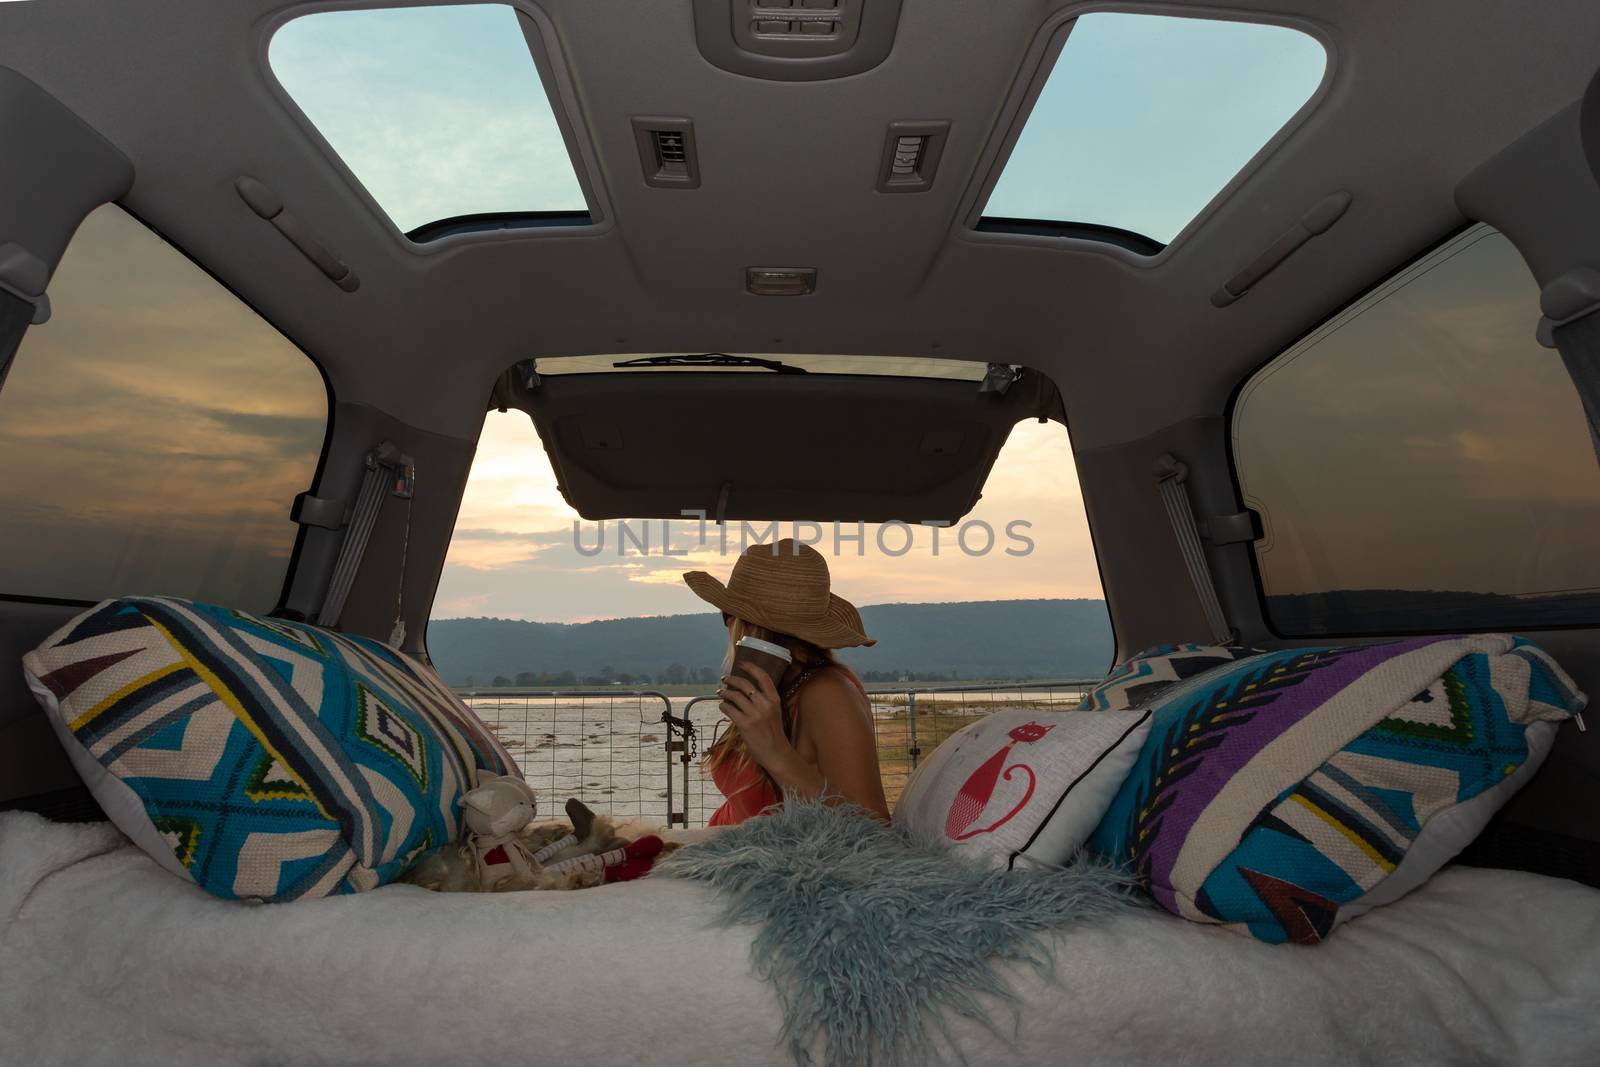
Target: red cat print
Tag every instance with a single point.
(980, 787)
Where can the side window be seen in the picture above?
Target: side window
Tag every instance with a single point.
(1420, 463)
(153, 433)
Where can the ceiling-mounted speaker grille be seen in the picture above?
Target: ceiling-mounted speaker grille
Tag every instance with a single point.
(907, 152)
(667, 151)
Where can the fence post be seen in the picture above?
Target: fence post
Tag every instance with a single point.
(911, 726)
(674, 725)
(666, 721)
(688, 755)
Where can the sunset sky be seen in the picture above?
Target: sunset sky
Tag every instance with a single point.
(155, 432)
(513, 554)
(1425, 440)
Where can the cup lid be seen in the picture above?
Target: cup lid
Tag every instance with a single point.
(768, 647)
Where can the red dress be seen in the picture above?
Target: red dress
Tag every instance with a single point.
(747, 789)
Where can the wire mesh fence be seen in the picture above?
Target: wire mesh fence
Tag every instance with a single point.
(910, 723)
(606, 748)
(636, 753)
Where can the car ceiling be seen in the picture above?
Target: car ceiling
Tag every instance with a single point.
(1418, 94)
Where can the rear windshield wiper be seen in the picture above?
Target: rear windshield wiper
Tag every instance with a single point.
(711, 359)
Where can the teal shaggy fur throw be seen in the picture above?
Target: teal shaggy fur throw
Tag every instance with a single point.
(872, 939)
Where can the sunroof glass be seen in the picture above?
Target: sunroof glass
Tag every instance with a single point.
(438, 111)
(1144, 119)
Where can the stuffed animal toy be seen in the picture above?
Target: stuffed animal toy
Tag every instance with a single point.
(500, 850)
(495, 813)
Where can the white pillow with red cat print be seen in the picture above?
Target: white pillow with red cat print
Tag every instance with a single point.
(1023, 787)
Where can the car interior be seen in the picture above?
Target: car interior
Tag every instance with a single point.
(813, 261)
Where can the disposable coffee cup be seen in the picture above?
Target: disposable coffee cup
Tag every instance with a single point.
(755, 654)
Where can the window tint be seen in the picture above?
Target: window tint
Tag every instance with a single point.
(1144, 119)
(154, 432)
(438, 111)
(1421, 463)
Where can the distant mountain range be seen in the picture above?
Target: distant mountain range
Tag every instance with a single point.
(1010, 639)
(987, 639)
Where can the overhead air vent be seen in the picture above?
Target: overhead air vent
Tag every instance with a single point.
(666, 151)
(671, 152)
(911, 154)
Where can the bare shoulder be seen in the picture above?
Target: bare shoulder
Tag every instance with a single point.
(831, 693)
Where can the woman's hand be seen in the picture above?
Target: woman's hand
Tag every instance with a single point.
(753, 705)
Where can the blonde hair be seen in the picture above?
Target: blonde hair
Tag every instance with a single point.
(730, 747)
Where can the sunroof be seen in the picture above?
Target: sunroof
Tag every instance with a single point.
(438, 111)
(1144, 119)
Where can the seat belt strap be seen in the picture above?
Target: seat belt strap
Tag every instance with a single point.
(389, 473)
(1171, 476)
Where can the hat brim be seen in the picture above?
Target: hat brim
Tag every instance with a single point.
(838, 627)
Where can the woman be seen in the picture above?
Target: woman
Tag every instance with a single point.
(811, 733)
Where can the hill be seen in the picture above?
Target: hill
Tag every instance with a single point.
(975, 639)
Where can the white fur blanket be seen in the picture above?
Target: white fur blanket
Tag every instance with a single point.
(106, 958)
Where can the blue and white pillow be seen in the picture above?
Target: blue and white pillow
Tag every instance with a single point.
(1147, 675)
(258, 758)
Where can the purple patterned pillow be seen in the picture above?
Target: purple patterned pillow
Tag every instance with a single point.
(1287, 792)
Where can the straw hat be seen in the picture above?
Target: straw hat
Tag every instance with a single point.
(784, 587)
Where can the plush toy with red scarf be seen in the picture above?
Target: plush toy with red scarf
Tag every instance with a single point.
(502, 851)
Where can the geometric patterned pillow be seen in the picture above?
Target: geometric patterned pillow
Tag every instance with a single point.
(1155, 670)
(1283, 794)
(258, 758)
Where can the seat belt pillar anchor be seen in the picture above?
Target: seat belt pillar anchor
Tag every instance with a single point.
(327, 513)
(1566, 299)
(24, 276)
(1169, 466)
(402, 467)
(1232, 529)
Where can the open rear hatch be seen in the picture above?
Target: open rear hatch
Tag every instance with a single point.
(739, 438)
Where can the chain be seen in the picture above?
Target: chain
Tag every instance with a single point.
(684, 727)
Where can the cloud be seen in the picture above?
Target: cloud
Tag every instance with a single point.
(437, 111)
(521, 536)
(1425, 442)
(156, 431)
(462, 607)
